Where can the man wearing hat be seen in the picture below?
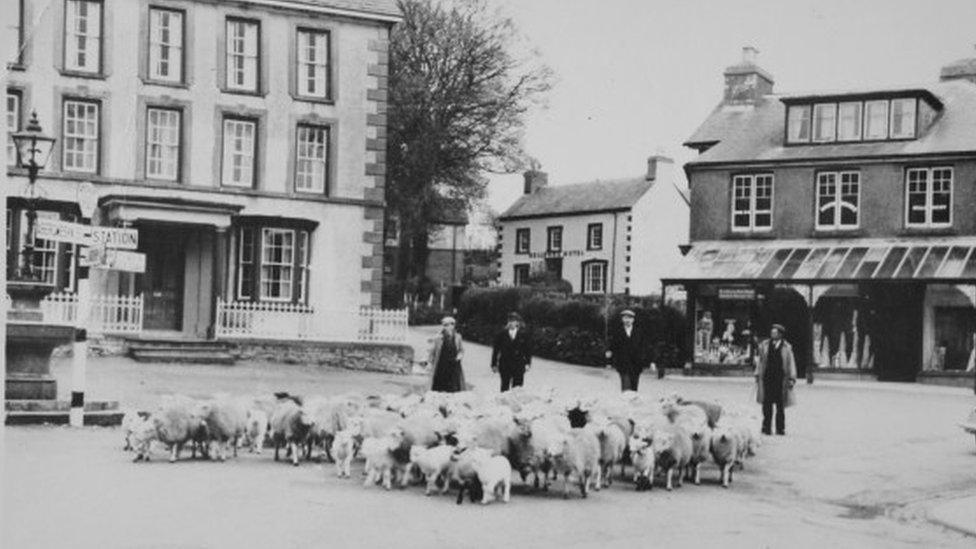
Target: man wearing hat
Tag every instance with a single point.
(775, 378)
(511, 352)
(627, 351)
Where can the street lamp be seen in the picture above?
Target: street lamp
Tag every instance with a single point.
(33, 150)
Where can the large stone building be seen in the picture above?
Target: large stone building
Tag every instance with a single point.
(846, 216)
(245, 140)
(617, 236)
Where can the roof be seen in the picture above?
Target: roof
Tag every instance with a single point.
(594, 196)
(960, 67)
(755, 133)
(917, 258)
(385, 9)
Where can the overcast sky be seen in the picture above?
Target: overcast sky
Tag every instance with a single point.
(635, 76)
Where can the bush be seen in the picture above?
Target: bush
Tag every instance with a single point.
(571, 328)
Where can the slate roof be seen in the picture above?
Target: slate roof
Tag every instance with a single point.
(756, 133)
(617, 194)
(385, 8)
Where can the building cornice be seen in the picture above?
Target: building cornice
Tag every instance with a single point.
(309, 7)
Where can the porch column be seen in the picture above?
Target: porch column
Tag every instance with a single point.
(219, 278)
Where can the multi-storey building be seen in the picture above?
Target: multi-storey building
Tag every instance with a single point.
(846, 216)
(244, 139)
(589, 234)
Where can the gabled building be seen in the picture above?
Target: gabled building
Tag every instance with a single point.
(617, 236)
(845, 215)
(245, 141)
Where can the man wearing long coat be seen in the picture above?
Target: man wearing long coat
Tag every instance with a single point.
(511, 353)
(628, 351)
(775, 378)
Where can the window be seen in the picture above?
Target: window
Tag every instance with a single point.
(928, 200)
(243, 52)
(838, 200)
(520, 276)
(14, 34)
(239, 152)
(163, 144)
(876, 120)
(80, 140)
(45, 251)
(554, 239)
(245, 264)
(165, 45)
(277, 264)
(13, 124)
(594, 236)
(752, 202)
(824, 122)
(594, 277)
(521, 241)
(849, 122)
(311, 159)
(303, 253)
(313, 64)
(798, 124)
(902, 118)
(83, 36)
(272, 264)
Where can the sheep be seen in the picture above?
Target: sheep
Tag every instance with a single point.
(613, 442)
(226, 421)
(713, 410)
(642, 458)
(577, 453)
(463, 472)
(256, 429)
(380, 465)
(724, 447)
(290, 426)
(141, 438)
(344, 447)
(495, 474)
(543, 432)
(176, 422)
(700, 442)
(131, 422)
(672, 452)
(434, 464)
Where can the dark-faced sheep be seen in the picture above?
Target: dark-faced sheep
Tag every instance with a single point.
(672, 452)
(289, 427)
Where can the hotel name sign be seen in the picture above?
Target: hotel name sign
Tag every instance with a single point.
(551, 255)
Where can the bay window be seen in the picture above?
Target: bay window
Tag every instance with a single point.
(838, 200)
(752, 202)
(928, 197)
(272, 264)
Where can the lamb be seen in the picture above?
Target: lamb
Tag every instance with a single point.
(344, 447)
(613, 442)
(434, 464)
(700, 442)
(724, 447)
(132, 421)
(463, 472)
(176, 422)
(226, 421)
(672, 452)
(256, 429)
(642, 458)
(290, 426)
(577, 453)
(381, 466)
(495, 474)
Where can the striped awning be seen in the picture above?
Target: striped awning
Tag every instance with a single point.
(937, 259)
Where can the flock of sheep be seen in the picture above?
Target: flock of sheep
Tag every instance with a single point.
(464, 439)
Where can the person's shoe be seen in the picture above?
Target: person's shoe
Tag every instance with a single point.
(766, 432)
(781, 433)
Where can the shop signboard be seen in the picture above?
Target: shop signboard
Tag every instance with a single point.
(737, 294)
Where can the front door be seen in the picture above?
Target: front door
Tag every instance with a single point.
(162, 283)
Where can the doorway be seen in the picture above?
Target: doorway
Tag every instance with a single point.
(895, 320)
(162, 283)
(787, 307)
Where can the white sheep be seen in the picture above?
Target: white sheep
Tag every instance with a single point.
(672, 452)
(256, 429)
(344, 447)
(290, 426)
(724, 447)
(613, 442)
(577, 453)
(226, 422)
(381, 466)
(495, 475)
(132, 421)
(434, 464)
(642, 458)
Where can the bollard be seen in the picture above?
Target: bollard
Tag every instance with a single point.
(79, 356)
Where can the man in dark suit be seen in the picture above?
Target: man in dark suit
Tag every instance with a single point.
(511, 353)
(627, 351)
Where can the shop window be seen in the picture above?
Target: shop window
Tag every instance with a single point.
(724, 332)
(928, 197)
(272, 264)
(953, 345)
(594, 236)
(838, 200)
(752, 202)
(594, 277)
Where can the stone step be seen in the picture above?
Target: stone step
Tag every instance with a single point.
(163, 342)
(107, 418)
(171, 346)
(184, 356)
(59, 406)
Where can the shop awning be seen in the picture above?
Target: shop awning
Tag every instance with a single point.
(950, 259)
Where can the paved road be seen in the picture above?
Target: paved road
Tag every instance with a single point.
(860, 468)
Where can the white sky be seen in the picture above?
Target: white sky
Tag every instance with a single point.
(635, 76)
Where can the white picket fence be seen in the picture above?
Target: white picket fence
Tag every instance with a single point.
(289, 321)
(108, 314)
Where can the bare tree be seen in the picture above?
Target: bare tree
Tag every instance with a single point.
(461, 83)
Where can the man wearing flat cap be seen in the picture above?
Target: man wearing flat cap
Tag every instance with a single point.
(775, 378)
(628, 351)
(511, 352)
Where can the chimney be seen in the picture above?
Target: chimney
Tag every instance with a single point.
(657, 167)
(962, 69)
(746, 82)
(534, 180)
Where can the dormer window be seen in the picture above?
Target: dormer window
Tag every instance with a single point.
(902, 118)
(798, 128)
(849, 121)
(824, 122)
(876, 120)
(868, 119)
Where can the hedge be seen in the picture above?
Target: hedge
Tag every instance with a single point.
(570, 328)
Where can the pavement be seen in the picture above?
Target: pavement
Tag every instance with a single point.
(864, 464)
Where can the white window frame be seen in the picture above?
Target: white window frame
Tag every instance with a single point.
(867, 120)
(45, 251)
(588, 277)
(516, 279)
(163, 143)
(166, 44)
(283, 265)
(831, 132)
(752, 181)
(929, 193)
(83, 36)
(312, 158)
(15, 30)
(248, 260)
(554, 234)
(84, 144)
(313, 58)
(243, 57)
(589, 236)
(913, 118)
(858, 120)
(792, 119)
(14, 117)
(304, 271)
(239, 153)
(838, 201)
(528, 240)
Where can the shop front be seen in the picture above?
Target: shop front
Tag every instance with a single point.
(892, 309)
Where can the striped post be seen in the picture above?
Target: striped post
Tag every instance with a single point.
(79, 358)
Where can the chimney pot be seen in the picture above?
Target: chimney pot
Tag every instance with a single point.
(746, 82)
(749, 54)
(534, 180)
(654, 166)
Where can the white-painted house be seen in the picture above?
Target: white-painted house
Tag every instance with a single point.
(244, 140)
(617, 236)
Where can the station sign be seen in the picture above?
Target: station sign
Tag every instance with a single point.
(86, 235)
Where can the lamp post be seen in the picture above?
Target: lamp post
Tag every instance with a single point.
(33, 150)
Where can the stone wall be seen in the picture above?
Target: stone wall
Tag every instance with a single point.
(374, 357)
